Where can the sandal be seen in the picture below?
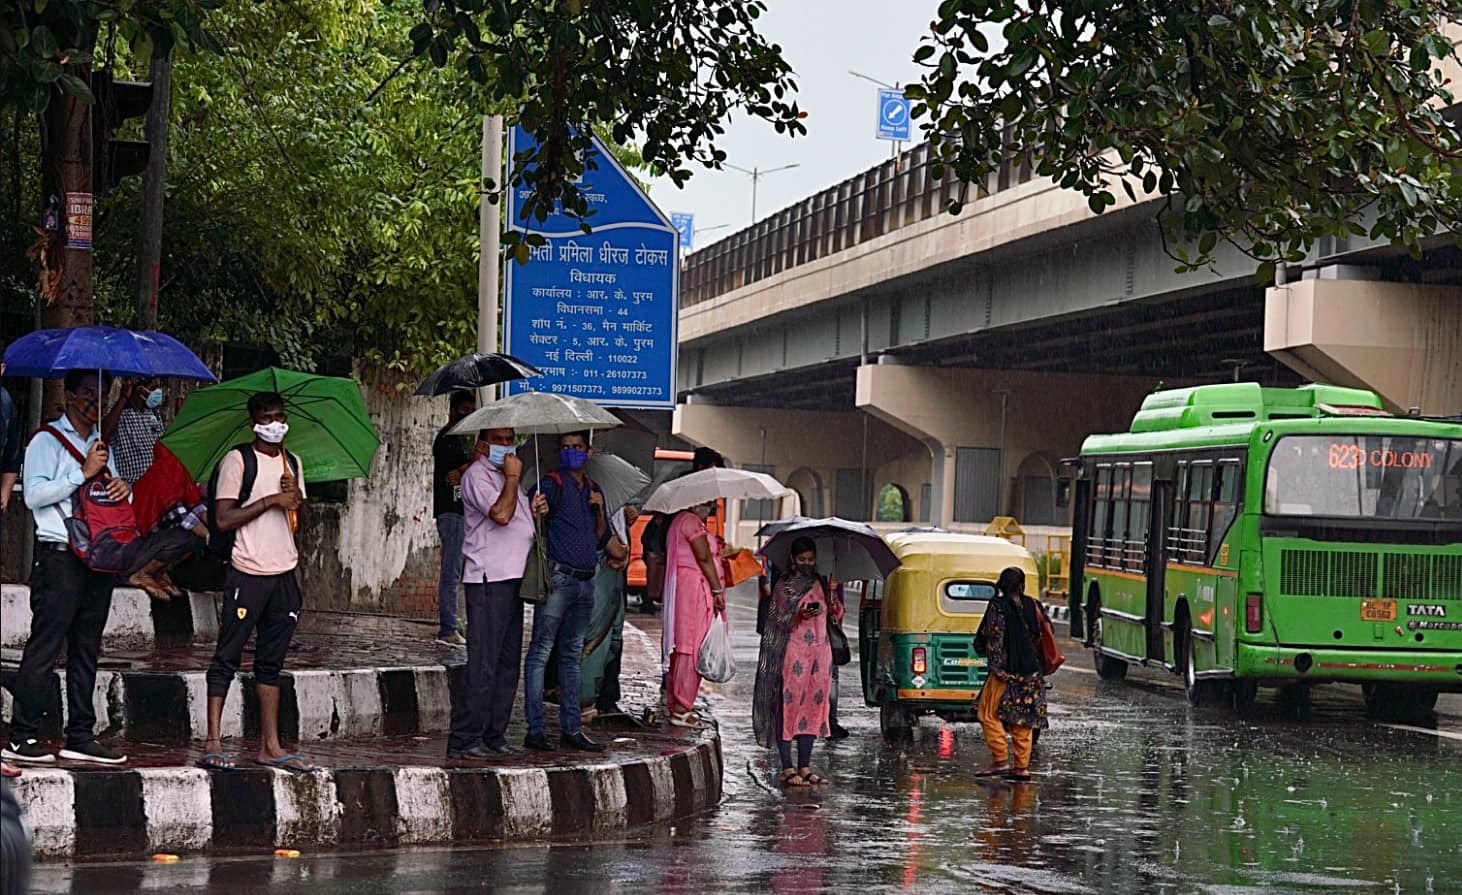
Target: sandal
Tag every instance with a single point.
(215, 761)
(994, 770)
(687, 720)
(814, 779)
(1019, 776)
(792, 779)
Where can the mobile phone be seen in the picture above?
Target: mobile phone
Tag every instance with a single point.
(814, 608)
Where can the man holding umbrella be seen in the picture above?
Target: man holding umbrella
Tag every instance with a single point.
(70, 602)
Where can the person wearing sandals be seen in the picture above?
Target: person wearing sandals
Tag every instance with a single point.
(694, 595)
(794, 668)
(262, 591)
(1013, 700)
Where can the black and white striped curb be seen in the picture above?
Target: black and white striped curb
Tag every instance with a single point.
(315, 704)
(109, 814)
(136, 620)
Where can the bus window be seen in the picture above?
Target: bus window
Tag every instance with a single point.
(1101, 517)
(1195, 523)
(1226, 506)
(1138, 516)
(1121, 492)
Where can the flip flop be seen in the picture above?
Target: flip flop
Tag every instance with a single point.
(1019, 776)
(993, 771)
(216, 761)
(293, 763)
(793, 780)
(815, 779)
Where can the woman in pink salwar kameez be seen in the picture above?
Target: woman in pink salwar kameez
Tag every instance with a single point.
(694, 595)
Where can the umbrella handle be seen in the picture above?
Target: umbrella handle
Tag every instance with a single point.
(292, 514)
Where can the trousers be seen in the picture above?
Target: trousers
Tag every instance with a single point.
(484, 703)
(996, 730)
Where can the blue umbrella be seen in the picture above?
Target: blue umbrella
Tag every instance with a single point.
(52, 353)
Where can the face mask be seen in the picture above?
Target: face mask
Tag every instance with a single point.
(154, 399)
(498, 453)
(87, 407)
(271, 433)
(807, 568)
(573, 459)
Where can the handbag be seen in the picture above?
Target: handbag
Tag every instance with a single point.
(1051, 656)
(842, 652)
(536, 585)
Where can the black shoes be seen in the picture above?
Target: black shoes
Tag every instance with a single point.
(537, 742)
(93, 752)
(582, 742)
(838, 732)
(504, 751)
(478, 752)
(28, 752)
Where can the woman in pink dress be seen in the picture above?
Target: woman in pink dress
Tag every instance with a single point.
(694, 595)
(794, 671)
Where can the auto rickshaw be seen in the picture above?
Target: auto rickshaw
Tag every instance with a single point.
(917, 629)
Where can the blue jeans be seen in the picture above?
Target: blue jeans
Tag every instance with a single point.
(562, 619)
(452, 528)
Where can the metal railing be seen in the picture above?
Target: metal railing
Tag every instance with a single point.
(897, 193)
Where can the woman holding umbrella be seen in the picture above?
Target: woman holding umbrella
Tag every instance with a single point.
(794, 671)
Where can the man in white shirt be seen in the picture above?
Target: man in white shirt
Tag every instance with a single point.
(69, 602)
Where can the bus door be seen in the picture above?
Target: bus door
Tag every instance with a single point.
(1080, 531)
(1157, 566)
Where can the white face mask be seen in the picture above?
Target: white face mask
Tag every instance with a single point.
(271, 433)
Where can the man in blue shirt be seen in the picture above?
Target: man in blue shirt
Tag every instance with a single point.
(573, 509)
(69, 602)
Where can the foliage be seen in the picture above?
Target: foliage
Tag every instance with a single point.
(38, 38)
(663, 75)
(1269, 125)
(892, 505)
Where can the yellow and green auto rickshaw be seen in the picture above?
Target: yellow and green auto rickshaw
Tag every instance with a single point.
(917, 629)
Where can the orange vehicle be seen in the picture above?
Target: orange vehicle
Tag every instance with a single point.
(668, 465)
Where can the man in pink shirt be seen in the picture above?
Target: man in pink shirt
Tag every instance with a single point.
(499, 523)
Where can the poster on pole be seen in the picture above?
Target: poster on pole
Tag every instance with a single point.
(894, 120)
(596, 312)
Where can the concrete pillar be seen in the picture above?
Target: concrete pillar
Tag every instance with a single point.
(1401, 340)
(949, 408)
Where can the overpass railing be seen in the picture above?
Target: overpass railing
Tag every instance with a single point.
(897, 193)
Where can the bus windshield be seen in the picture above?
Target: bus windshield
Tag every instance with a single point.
(1365, 476)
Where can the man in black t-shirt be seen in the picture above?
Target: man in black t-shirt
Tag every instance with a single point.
(451, 455)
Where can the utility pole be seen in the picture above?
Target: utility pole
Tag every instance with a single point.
(489, 228)
(756, 174)
(149, 233)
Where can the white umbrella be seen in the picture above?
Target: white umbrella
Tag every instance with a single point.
(714, 484)
(538, 413)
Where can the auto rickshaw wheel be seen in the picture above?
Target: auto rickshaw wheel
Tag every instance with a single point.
(893, 720)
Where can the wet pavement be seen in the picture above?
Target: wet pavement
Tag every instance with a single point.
(1135, 793)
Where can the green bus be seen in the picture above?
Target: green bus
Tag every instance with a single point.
(1242, 536)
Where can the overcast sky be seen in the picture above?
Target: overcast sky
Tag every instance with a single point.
(822, 40)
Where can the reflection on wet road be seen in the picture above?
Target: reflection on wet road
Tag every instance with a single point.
(1136, 793)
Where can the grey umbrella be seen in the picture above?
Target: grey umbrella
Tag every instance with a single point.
(538, 413)
(619, 479)
(849, 550)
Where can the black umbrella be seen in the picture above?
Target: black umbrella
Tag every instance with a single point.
(475, 371)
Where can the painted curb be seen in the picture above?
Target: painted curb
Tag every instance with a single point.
(136, 620)
(131, 813)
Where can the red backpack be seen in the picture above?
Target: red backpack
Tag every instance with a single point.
(102, 532)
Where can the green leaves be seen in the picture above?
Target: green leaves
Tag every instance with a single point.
(1269, 126)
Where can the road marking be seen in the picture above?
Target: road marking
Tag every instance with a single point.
(1077, 669)
(1436, 733)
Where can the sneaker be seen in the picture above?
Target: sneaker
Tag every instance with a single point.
(28, 752)
(454, 640)
(93, 752)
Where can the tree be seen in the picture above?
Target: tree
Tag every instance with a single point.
(1267, 125)
(664, 76)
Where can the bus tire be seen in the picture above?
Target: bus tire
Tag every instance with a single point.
(1388, 702)
(1107, 667)
(1244, 693)
(1294, 702)
(893, 721)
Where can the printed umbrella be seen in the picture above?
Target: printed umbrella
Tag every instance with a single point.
(848, 550)
(714, 484)
(475, 371)
(329, 427)
(52, 353)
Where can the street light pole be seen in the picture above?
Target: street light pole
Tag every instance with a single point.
(756, 174)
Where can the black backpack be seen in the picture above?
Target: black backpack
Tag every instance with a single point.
(221, 543)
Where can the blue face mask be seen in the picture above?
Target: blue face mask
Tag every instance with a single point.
(498, 453)
(573, 459)
(154, 399)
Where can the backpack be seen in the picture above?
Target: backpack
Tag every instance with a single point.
(221, 543)
(102, 532)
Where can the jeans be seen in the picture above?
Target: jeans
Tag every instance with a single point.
(561, 620)
(69, 605)
(452, 528)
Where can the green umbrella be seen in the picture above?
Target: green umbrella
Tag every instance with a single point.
(329, 427)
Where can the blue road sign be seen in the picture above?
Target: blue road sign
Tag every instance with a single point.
(597, 312)
(684, 223)
(893, 116)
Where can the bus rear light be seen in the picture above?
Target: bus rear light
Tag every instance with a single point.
(920, 663)
(1254, 613)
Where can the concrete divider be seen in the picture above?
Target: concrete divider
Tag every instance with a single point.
(131, 813)
(136, 619)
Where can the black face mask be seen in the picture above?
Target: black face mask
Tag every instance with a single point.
(809, 569)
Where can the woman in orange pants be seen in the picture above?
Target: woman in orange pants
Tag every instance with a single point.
(1013, 700)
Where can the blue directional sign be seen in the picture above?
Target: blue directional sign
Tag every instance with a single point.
(597, 312)
(893, 116)
(684, 223)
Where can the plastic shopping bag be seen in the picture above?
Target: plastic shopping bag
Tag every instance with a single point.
(715, 661)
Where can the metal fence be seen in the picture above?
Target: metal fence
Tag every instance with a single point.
(900, 192)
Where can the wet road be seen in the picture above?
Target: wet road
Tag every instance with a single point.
(1135, 793)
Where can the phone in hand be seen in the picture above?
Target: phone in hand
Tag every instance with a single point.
(814, 608)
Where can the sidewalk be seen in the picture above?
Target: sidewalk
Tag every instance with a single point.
(369, 706)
